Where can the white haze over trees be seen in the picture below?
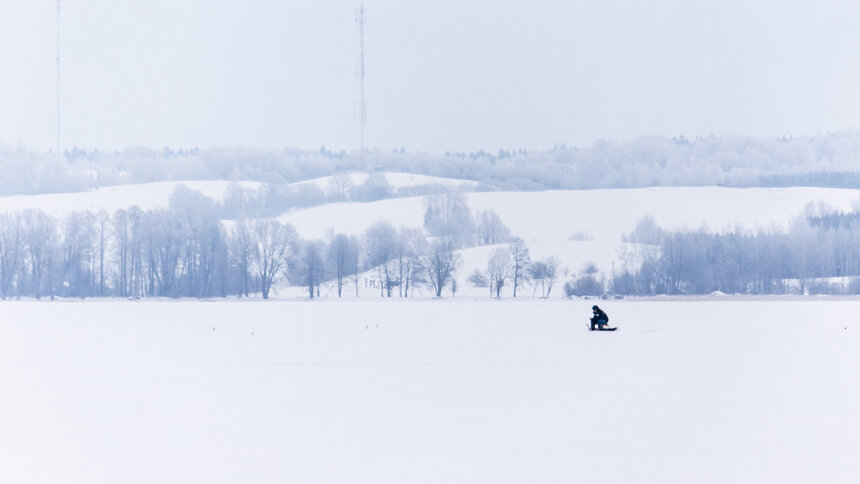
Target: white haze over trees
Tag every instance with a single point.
(824, 160)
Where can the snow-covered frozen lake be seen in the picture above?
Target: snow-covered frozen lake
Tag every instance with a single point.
(429, 391)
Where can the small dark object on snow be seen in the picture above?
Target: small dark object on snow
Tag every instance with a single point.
(600, 320)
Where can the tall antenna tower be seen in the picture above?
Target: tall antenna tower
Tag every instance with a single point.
(58, 77)
(360, 20)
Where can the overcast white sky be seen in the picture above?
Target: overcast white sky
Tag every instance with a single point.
(442, 75)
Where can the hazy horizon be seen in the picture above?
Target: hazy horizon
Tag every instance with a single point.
(454, 77)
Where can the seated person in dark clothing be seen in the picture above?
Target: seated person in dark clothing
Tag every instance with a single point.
(600, 318)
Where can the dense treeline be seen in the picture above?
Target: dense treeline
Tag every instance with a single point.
(188, 251)
(818, 254)
(272, 199)
(824, 160)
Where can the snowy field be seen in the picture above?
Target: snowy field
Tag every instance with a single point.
(430, 391)
(146, 196)
(396, 180)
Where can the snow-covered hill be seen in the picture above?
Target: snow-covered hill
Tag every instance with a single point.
(600, 214)
(146, 196)
(396, 180)
(580, 226)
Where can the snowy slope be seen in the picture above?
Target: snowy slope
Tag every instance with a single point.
(396, 180)
(602, 214)
(550, 221)
(146, 196)
(441, 391)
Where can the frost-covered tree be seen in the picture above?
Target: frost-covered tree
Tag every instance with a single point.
(491, 229)
(164, 235)
(412, 242)
(270, 249)
(41, 238)
(241, 253)
(12, 253)
(478, 278)
(441, 263)
(375, 187)
(78, 251)
(343, 254)
(446, 216)
(586, 283)
(519, 261)
(544, 273)
(499, 269)
(102, 221)
(381, 241)
(339, 187)
(308, 266)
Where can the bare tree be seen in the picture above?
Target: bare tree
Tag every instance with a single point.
(40, 233)
(411, 242)
(133, 252)
(164, 235)
(544, 273)
(491, 229)
(355, 242)
(441, 263)
(381, 247)
(242, 254)
(498, 269)
(102, 226)
(308, 267)
(537, 270)
(551, 274)
(447, 216)
(270, 249)
(121, 237)
(78, 242)
(339, 187)
(342, 258)
(11, 254)
(519, 261)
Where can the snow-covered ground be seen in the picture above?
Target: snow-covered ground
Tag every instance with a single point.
(146, 196)
(429, 391)
(557, 215)
(396, 180)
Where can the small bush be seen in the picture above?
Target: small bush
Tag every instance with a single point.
(587, 285)
(478, 279)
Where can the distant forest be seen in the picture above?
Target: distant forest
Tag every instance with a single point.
(819, 254)
(829, 160)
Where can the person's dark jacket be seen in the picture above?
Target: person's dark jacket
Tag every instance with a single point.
(599, 315)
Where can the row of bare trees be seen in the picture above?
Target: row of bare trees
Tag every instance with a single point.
(512, 264)
(187, 251)
(132, 253)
